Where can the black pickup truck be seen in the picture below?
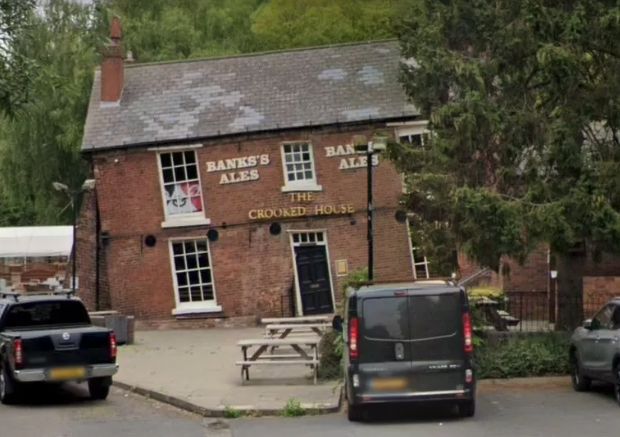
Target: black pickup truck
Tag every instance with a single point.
(49, 338)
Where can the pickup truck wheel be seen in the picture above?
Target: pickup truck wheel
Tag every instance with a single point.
(9, 390)
(99, 388)
(580, 382)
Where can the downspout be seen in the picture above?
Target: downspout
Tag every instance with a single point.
(97, 251)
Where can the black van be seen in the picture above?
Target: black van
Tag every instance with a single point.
(408, 342)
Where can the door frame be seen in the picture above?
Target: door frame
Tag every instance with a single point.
(323, 243)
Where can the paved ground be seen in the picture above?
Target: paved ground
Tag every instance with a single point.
(198, 366)
(522, 413)
(549, 412)
(67, 412)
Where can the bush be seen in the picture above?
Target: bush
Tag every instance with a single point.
(330, 350)
(331, 346)
(540, 354)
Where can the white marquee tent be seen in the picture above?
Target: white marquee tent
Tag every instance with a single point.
(39, 241)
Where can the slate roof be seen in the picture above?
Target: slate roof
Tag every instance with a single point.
(168, 102)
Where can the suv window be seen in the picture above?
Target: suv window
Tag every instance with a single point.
(602, 319)
(435, 316)
(615, 319)
(32, 314)
(386, 318)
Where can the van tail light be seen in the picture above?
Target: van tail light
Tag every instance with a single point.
(112, 345)
(353, 337)
(469, 345)
(18, 355)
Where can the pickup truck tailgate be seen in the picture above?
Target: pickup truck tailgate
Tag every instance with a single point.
(68, 346)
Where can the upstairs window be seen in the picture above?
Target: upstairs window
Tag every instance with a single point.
(181, 188)
(299, 168)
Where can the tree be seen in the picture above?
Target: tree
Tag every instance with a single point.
(15, 69)
(42, 145)
(161, 30)
(282, 24)
(523, 99)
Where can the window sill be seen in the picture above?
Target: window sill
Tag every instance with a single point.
(183, 222)
(196, 311)
(308, 187)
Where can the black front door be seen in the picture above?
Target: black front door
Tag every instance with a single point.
(314, 284)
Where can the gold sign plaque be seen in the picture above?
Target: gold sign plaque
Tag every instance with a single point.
(342, 267)
(300, 211)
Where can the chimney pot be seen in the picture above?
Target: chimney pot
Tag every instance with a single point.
(115, 28)
(112, 66)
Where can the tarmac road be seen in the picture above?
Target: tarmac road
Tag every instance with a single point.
(511, 412)
(557, 412)
(67, 412)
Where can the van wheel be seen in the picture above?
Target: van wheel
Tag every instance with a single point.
(99, 388)
(467, 408)
(580, 382)
(354, 413)
(9, 389)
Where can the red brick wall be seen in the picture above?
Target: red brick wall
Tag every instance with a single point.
(533, 275)
(597, 290)
(252, 269)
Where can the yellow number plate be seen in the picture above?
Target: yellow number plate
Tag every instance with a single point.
(389, 384)
(67, 373)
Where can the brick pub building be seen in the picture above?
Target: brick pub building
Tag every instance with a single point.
(227, 189)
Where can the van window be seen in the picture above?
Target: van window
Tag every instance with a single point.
(385, 318)
(435, 316)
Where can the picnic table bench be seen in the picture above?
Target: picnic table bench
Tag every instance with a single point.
(302, 358)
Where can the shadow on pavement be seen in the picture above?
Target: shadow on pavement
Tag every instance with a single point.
(47, 395)
(604, 391)
(411, 413)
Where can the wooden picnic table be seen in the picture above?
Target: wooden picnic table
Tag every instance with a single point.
(308, 359)
(291, 320)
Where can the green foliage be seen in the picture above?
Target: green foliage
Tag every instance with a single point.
(352, 280)
(231, 412)
(160, 30)
(42, 145)
(330, 349)
(293, 408)
(523, 100)
(541, 354)
(15, 67)
(283, 24)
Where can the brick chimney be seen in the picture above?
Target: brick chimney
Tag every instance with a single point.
(112, 66)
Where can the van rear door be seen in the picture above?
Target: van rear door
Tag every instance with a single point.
(437, 341)
(384, 362)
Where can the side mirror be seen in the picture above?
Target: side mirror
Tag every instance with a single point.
(587, 324)
(337, 323)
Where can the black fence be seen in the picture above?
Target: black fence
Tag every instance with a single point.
(534, 311)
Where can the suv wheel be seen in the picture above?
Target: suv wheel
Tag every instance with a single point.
(8, 388)
(99, 388)
(617, 383)
(580, 382)
(467, 408)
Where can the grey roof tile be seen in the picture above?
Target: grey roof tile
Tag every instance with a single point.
(210, 97)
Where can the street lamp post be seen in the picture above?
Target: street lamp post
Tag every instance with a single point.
(369, 148)
(88, 185)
